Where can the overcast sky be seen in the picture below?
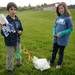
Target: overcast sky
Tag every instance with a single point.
(34, 2)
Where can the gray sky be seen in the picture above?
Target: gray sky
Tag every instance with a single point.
(34, 2)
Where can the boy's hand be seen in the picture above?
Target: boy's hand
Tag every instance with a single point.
(19, 32)
(1, 24)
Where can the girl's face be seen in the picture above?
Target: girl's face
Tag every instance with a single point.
(61, 10)
(12, 11)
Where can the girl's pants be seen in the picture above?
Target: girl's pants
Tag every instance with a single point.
(57, 47)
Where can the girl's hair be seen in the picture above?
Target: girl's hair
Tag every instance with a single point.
(66, 11)
(10, 4)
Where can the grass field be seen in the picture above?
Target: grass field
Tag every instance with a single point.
(37, 38)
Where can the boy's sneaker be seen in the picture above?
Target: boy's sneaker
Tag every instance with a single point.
(18, 62)
(58, 67)
(10, 72)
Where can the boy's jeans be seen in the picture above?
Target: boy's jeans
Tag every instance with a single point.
(10, 55)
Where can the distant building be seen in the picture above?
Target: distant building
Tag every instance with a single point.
(50, 6)
(46, 7)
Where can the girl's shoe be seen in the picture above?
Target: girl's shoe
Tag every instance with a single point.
(58, 67)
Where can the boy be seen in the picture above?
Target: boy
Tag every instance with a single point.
(12, 40)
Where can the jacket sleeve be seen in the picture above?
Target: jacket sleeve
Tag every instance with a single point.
(2, 31)
(53, 30)
(54, 27)
(20, 28)
(69, 27)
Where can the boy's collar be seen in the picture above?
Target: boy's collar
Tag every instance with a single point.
(9, 17)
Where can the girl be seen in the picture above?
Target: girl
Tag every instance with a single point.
(61, 33)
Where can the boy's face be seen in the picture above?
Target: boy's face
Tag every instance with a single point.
(12, 11)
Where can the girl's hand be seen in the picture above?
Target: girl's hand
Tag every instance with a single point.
(58, 35)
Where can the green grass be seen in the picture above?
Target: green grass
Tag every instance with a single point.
(37, 38)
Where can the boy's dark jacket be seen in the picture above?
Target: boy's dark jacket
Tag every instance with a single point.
(13, 38)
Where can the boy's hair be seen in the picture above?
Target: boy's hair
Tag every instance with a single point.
(66, 11)
(10, 4)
